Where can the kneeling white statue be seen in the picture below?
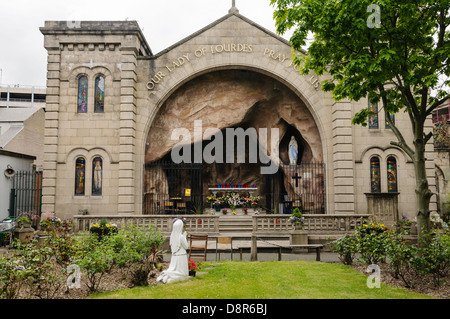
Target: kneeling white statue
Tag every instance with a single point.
(178, 269)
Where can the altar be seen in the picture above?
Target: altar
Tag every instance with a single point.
(233, 196)
(233, 188)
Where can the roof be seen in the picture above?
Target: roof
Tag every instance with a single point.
(231, 13)
(17, 114)
(13, 119)
(96, 28)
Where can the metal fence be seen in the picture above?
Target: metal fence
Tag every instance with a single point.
(173, 188)
(293, 186)
(178, 189)
(26, 195)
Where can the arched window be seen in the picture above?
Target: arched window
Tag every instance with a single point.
(97, 176)
(392, 174)
(82, 94)
(80, 176)
(375, 179)
(373, 119)
(99, 98)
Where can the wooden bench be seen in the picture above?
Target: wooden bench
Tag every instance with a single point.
(317, 247)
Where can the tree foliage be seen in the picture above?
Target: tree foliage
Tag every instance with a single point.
(402, 62)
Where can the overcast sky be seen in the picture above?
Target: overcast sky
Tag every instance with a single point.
(164, 22)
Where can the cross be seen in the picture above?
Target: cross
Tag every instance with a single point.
(233, 7)
(296, 177)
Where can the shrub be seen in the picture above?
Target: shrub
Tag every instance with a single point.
(30, 270)
(143, 247)
(96, 257)
(370, 238)
(433, 256)
(346, 248)
(400, 254)
(12, 276)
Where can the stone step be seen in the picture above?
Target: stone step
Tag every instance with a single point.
(235, 224)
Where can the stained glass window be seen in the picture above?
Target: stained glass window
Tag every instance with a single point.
(82, 94)
(373, 119)
(392, 174)
(97, 176)
(99, 100)
(393, 120)
(80, 176)
(375, 185)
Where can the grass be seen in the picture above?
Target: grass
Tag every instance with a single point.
(268, 280)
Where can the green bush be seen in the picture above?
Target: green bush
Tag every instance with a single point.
(30, 270)
(140, 247)
(400, 254)
(370, 238)
(433, 254)
(96, 258)
(346, 248)
(12, 276)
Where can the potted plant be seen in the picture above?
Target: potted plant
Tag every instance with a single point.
(297, 219)
(245, 209)
(192, 268)
(23, 222)
(103, 229)
(24, 232)
(224, 211)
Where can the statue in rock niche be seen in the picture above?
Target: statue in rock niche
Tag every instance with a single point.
(293, 151)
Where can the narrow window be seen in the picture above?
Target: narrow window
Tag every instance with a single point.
(375, 185)
(82, 94)
(392, 174)
(373, 119)
(80, 176)
(97, 176)
(99, 100)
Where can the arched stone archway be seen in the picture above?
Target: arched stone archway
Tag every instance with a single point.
(235, 99)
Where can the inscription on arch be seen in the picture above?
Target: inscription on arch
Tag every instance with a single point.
(201, 52)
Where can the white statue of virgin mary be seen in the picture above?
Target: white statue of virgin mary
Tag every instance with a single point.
(293, 151)
(178, 267)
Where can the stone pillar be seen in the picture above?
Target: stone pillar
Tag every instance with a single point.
(127, 152)
(51, 125)
(343, 163)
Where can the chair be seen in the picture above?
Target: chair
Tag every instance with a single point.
(228, 241)
(181, 207)
(168, 207)
(197, 251)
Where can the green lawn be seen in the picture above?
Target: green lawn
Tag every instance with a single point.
(268, 280)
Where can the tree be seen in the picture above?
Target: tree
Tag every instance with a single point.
(393, 52)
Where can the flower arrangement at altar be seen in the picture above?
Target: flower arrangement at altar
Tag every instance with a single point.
(211, 199)
(233, 201)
